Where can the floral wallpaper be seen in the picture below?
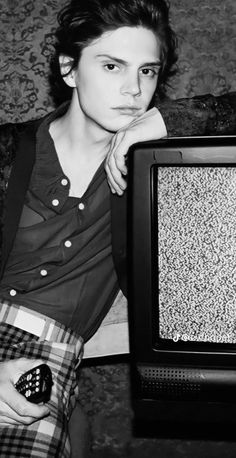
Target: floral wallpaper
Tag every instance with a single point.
(207, 46)
(207, 63)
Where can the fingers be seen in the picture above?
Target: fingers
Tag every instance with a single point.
(149, 126)
(115, 178)
(21, 365)
(21, 413)
(14, 408)
(9, 417)
(115, 164)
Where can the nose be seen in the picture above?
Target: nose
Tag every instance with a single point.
(131, 85)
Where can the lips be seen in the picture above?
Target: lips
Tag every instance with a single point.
(128, 110)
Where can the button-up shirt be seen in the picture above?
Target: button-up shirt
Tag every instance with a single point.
(61, 263)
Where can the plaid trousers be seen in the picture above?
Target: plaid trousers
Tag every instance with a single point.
(62, 350)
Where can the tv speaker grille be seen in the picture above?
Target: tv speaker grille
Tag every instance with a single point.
(169, 383)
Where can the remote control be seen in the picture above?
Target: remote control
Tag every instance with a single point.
(36, 384)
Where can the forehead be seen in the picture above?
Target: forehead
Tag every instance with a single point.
(127, 43)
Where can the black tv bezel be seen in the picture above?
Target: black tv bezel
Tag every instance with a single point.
(142, 157)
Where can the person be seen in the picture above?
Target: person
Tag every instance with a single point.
(63, 241)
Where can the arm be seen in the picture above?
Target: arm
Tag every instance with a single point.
(14, 408)
(201, 115)
(149, 126)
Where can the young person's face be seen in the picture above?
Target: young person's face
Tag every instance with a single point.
(117, 76)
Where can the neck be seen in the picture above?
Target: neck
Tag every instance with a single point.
(80, 135)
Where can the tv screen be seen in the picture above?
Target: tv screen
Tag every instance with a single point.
(195, 210)
(182, 276)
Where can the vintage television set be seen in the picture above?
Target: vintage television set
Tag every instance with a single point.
(182, 279)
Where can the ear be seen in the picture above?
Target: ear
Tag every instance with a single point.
(67, 74)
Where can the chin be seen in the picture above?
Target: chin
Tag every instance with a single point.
(118, 124)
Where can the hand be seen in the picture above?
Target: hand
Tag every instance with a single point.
(14, 408)
(149, 126)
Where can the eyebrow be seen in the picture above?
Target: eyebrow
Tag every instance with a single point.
(155, 63)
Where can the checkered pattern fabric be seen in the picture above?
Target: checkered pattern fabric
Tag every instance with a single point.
(61, 351)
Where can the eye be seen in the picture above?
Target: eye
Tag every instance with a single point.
(151, 72)
(111, 67)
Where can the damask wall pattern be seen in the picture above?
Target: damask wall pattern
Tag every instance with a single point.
(207, 59)
(207, 39)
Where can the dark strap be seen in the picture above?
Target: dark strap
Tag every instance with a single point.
(17, 187)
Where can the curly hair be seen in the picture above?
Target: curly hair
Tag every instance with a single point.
(82, 21)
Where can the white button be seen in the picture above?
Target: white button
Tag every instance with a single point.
(43, 272)
(68, 243)
(12, 292)
(81, 206)
(64, 181)
(55, 202)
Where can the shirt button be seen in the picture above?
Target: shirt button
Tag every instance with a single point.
(43, 272)
(55, 202)
(64, 181)
(12, 292)
(81, 206)
(68, 243)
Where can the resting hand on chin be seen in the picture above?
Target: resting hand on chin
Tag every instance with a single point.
(149, 126)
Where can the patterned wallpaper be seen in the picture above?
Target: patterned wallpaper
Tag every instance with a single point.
(207, 39)
(207, 60)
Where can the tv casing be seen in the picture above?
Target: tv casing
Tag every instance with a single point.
(171, 381)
